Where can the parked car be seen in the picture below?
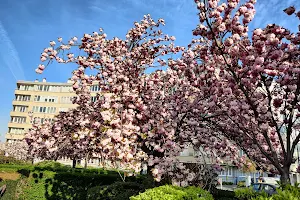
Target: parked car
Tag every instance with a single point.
(268, 188)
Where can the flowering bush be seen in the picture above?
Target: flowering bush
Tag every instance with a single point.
(168, 192)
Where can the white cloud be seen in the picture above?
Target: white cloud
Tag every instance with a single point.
(10, 55)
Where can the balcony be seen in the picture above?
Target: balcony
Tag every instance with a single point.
(17, 125)
(21, 103)
(24, 92)
(19, 114)
(13, 136)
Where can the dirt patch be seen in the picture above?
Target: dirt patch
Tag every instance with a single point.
(9, 175)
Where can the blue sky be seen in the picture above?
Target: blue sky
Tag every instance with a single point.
(26, 27)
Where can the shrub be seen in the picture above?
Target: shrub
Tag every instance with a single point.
(241, 184)
(168, 192)
(287, 192)
(248, 193)
(24, 172)
(48, 165)
(222, 194)
(115, 191)
(121, 190)
(10, 160)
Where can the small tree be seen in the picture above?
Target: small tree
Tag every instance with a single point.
(18, 150)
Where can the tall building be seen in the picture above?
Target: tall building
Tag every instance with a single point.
(44, 99)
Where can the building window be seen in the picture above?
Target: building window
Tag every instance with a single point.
(11, 141)
(93, 99)
(42, 109)
(38, 109)
(42, 120)
(226, 172)
(185, 152)
(63, 109)
(51, 110)
(26, 87)
(55, 88)
(241, 153)
(19, 120)
(23, 97)
(35, 109)
(94, 88)
(37, 98)
(242, 174)
(66, 89)
(20, 108)
(66, 100)
(44, 88)
(16, 130)
(52, 99)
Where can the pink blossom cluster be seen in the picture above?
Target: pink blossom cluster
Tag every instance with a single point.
(252, 81)
(18, 150)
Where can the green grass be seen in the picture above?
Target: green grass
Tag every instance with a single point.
(10, 193)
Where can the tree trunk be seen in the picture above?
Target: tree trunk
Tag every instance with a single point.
(74, 163)
(285, 175)
(86, 161)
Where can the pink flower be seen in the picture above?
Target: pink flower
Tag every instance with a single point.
(243, 9)
(43, 58)
(52, 43)
(228, 42)
(155, 171)
(259, 60)
(38, 71)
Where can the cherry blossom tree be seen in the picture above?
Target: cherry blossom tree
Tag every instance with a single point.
(120, 66)
(18, 150)
(2, 147)
(138, 117)
(252, 80)
(227, 91)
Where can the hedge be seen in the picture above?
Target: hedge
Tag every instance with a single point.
(168, 192)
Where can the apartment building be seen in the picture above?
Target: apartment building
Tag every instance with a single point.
(43, 99)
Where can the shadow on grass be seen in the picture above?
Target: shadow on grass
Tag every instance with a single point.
(70, 185)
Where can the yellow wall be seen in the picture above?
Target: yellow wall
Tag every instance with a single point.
(32, 103)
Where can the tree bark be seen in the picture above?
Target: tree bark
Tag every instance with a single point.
(285, 175)
(74, 163)
(86, 161)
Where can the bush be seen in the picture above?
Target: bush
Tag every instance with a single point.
(168, 192)
(222, 194)
(248, 193)
(48, 165)
(115, 191)
(122, 190)
(287, 192)
(241, 184)
(10, 160)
